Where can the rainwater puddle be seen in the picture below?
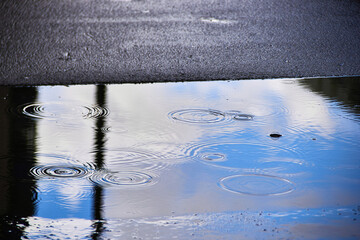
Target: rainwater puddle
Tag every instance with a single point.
(232, 159)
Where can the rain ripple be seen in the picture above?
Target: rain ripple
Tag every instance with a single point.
(249, 157)
(198, 115)
(102, 177)
(239, 116)
(62, 110)
(208, 116)
(121, 178)
(60, 171)
(129, 158)
(69, 191)
(257, 185)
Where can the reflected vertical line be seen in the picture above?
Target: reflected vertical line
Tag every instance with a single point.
(99, 125)
(99, 148)
(18, 156)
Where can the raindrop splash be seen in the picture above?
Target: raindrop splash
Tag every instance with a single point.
(213, 157)
(239, 116)
(243, 117)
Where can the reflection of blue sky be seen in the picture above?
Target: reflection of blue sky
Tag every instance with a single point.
(66, 141)
(64, 200)
(318, 150)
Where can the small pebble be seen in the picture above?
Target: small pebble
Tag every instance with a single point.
(275, 135)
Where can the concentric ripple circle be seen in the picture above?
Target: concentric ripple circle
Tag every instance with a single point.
(95, 111)
(130, 158)
(257, 185)
(60, 171)
(249, 157)
(62, 110)
(213, 157)
(200, 116)
(69, 191)
(121, 178)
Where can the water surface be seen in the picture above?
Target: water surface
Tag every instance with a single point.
(230, 159)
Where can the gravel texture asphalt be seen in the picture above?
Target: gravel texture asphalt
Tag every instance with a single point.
(118, 41)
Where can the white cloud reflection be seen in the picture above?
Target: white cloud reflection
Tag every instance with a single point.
(139, 124)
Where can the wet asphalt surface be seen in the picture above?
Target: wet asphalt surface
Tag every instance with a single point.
(118, 41)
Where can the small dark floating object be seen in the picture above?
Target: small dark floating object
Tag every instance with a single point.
(275, 135)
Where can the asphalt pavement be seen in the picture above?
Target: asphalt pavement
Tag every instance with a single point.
(121, 41)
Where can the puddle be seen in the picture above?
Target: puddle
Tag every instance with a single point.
(339, 223)
(166, 159)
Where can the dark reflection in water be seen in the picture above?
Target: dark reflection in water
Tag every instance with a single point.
(18, 191)
(346, 92)
(99, 150)
(152, 160)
